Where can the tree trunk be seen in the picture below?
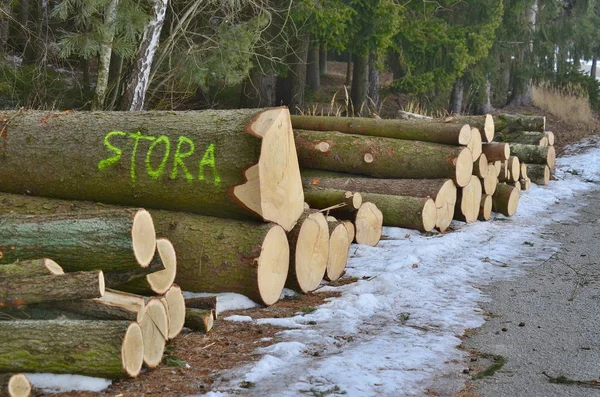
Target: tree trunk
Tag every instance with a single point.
(258, 90)
(539, 174)
(339, 246)
(468, 201)
(505, 199)
(199, 320)
(155, 331)
(485, 125)
(290, 90)
(115, 79)
(593, 71)
(485, 105)
(107, 349)
(506, 123)
(374, 82)
(113, 305)
(485, 208)
(413, 130)
(322, 198)
(5, 17)
(496, 151)
(382, 157)
(322, 59)
(313, 76)
(108, 33)
(525, 137)
(135, 95)
(349, 64)
(456, 100)
(26, 291)
(223, 162)
(309, 250)
(534, 154)
(30, 268)
(175, 303)
(14, 385)
(360, 82)
(442, 191)
(108, 240)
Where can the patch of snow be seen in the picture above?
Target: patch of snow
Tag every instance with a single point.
(239, 319)
(227, 300)
(53, 383)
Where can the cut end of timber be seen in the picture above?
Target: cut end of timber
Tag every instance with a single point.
(351, 230)
(513, 202)
(551, 158)
(312, 251)
(162, 280)
(155, 331)
(176, 310)
(143, 237)
(444, 204)
(131, 302)
(369, 222)
(550, 136)
(464, 167)
(101, 283)
(490, 181)
(132, 350)
(353, 200)
(471, 199)
(523, 171)
(464, 135)
(368, 158)
(488, 129)
(273, 265)
(475, 144)
(514, 168)
(53, 267)
(429, 215)
(323, 147)
(339, 246)
(485, 210)
(19, 386)
(480, 166)
(543, 141)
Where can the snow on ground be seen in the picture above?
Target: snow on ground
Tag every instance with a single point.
(393, 332)
(63, 383)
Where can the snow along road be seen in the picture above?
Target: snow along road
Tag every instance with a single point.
(395, 333)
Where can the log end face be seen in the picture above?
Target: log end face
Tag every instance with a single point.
(551, 157)
(475, 144)
(176, 310)
(143, 237)
(464, 167)
(464, 135)
(264, 121)
(369, 224)
(357, 201)
(445, 202)
(101, 283)
(513, 202)
(351, 230)
(155, 331)
(429, 215)
(368, 158)
(132, 350)
(471, 199)
(488, 129)
(312, 251)
(53, 267)
(485, 211)
(162, 280)
(339, 246)
(273, 265)
(18, 386)
(323, 147)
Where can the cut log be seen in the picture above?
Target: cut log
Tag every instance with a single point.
(25, 291)
(30, 268)
(113, 305)
(309, 251)
(175, 303)
(506, 199)
(351, 230)
(368, 224)
(199, 319)
(539, 174)
(534, 154)
(513, 166)
(109, 240)
(204, 303)
(480, 166)
(16, 385)
(419, 213)
(525, 184)
(485, 208)
(107, 349)
(443, 191)
(496, 151)
(229, 163)
(523, 171)
(155, 331)
(506, 123)
(484, 124)
(536, 138)
(475, 144)
(498, 166)
(382, 157)
(490, 181)
(220, 255)
(516, 185)
(412, 130)
(321, 198)
(550, 136)
(339, 247)
(468, 201)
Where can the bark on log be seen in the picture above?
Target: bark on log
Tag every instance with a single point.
(320, 198)
(536, 138)
(496, 151)
(339, 246)
(411, 130)
(108, 349)
(30, 268)
(484, 124)
(382, 157)
(230, 163)
(175, 303)
(485, 208)
(199, 320)
(534, 154)
(204, 303)
(505, 199)
(309, 250)
(155, 331)
(26, 291)
(506, 123)
(108, 240)
(418, 213)
(539, 174)
(113, 305)
(468, 201)
(16, 385)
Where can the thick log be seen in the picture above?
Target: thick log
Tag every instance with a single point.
(411, 130)
(382, 157)
(368, 224)
(484, 124)
(113, 305)
(475, 144)
(175, 304)
(490, 181)
(539, 174)
(230, 163)
(16, 385)
(506, 199)
(506, 123)
(480, 166)
(199, 320)
(320, 198)
(26, 291)
(155, 331)
(107, 349)
(109, 240)
(496, 151)
(30, 268)
(536, 138)
(339, 246)
(485, 208)
(532, 154)
(468, 201)
(309, 251)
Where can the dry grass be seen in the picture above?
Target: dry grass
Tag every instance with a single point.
(570, 104)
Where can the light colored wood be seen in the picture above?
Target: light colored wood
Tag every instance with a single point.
(351, 230)
(113, 305)
(200, 320)
(339, 247)
(205, 303)
(475, 144)
(485, 208)
(369, 224)
(155, 331)
(539, 174)
(532, 154)
(498, 165)
(175, 304)
(468, 201)
(505, 199)
(514, 168)
(550, 136)
(480, 166)
(16, 385)
(496, 151)
(161, 281)
(490, 181)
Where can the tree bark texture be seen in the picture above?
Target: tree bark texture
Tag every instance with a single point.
(360, 82)
(205, 303)
(412, 130)
(322, 59)
(234, 163)
(258, 90)
(538, 173)
(534, 154)
(113, 305)
(321, 198)
(16, 385)
(87, 347)
(382, 157)
(30, 268)
(505, 123)
(485, 125)
(108, 33)
(199, 320)
(313, 76)
(525, 137)
(505, 200)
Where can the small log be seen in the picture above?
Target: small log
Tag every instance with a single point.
(534, 154)
(516, 185)
(484, 124)
(351, 230)
(412, 130)
(506, 199)
(485, 208)
(506, 123)
(475, 144)
(30, 268)
(480, 166)
(550, 136)
(468, 201)
(16, 385)
(496, 151)
(539, 174)
(523, 171)
(525, 184)
(108, 240)
(382, 157)
(199, 320)
(320, 198)
(204, 303)
(107, 349)
(309, 251)
(514, 168)
(498, 166)
(339, 247)
(175, 303)
(490, 181)
(536, 138)
(155, 331)
(368, 224)
(25, 291)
